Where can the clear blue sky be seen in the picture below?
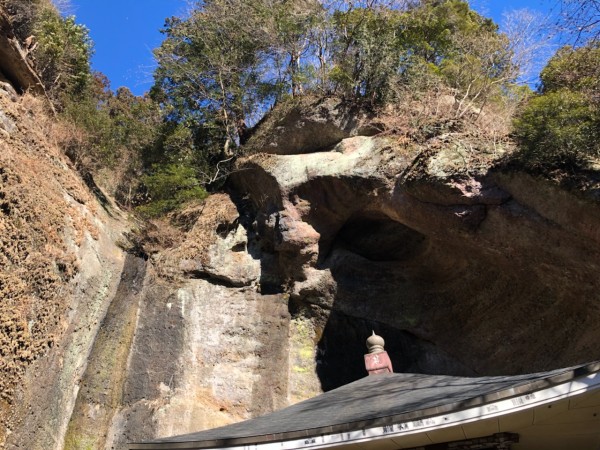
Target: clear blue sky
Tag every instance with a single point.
(495, 8)
(125, 32)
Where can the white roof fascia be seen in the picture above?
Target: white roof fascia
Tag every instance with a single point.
(487, 411)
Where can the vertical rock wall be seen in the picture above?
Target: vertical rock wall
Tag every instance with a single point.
(100, 392)
(269, 293)
(59, 269)
(51, 386)
(204, 355)
(209, 348)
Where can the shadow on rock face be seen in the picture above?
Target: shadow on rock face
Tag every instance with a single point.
(378, 238)
(342, 346)
(462, 271)
(382, 270)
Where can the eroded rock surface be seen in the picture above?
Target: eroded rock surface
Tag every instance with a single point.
(478, 265)
(217, 246)
(204, 355)
(59, 269)
(310, 125)
(267, 293)
(464, 269)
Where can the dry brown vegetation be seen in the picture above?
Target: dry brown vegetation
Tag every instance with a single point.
(43, 218)
(435, 110)
(195, 230)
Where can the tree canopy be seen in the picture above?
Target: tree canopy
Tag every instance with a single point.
(222, 67)
(581, 18)
(561, 125)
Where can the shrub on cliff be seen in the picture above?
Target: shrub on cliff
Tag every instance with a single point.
(58, 46)
(561, 125)
(24, 15)
(63, 55)
(169, 187)
(379, 49)
(107, 134)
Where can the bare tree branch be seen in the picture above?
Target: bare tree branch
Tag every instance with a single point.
(580, 19)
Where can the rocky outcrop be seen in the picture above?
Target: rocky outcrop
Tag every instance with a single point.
(266, 293)
(14, 67)
(210, 347)
(204, 355)
(216, 247)
(60, 267)
(308, 125)
(477, 265)
(100, 394)
(463, 268)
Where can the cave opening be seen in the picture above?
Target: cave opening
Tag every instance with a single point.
(376, 237)
(382, 269)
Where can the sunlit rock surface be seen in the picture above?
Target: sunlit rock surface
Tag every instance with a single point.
(269, 291)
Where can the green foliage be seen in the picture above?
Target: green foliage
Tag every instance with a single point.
(557, 128)
(431, 28)
(63, 55)
(115, 133)
(574, 69)
(216, 74)
(176, 144)
(116, 124)
(58, 46)
(368, 52)
(23, 15)
(209, 73)
(561, 125)
(463, 48)
(292, 27)
(169, 187)
(148, 159)
(379, 48)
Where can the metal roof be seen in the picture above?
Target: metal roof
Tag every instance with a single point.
(374, 401)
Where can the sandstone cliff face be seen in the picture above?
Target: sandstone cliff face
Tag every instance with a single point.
(269, 291)
(60, 267)
(210, 347)
(59, 263)
(463, 268)
(486, 270)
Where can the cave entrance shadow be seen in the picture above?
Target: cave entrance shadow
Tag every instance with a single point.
(370, 259)
(342, 346)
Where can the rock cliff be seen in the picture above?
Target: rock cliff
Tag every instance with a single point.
(476, 267)
(466, 265)
(60, 268)
(266, 292)
(476, 262)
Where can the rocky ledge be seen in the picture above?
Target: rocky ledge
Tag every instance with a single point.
(470, 266)
(265, 294)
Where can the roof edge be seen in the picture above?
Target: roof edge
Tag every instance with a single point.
(570, 374)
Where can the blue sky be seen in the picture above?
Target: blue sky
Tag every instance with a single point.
(125, 32)
(495, 8)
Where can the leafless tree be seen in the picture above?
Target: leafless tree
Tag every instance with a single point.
(581, 18)
(65, 7)
(531, 41)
